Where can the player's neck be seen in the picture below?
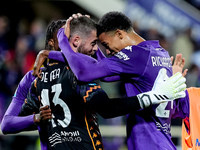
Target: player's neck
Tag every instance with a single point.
(134, 39)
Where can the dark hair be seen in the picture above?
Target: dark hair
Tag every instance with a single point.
(112, 21)
(82, 26)
(52, 28)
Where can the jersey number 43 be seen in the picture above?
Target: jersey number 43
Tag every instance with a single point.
(57, 89)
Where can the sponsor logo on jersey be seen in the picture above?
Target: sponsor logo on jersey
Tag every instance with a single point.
(161, 61)
(92, 84)
(75, 133)
(197, 142)
(163, 127)
(129, 48)
(64, 136)
(55, 139)
(122, 55)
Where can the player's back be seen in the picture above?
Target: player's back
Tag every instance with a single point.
(72, 126)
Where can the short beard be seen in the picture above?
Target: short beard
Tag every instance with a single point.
(81, 49)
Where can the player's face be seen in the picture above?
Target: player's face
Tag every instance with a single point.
(111, 42)
(89, 46)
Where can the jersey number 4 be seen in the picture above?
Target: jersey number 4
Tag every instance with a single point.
(57, 89)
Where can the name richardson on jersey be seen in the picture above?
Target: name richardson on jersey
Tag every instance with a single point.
(53, 75)
(161, 61)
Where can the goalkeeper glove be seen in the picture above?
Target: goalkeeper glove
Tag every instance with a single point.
(164, 89)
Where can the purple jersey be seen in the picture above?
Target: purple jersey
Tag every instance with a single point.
(11, 123)
(138, 67)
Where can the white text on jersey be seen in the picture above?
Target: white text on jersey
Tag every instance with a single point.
(122, 55)
(161, 61)
(53, 75)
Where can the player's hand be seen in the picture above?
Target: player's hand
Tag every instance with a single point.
(178, 64)
(67, 25)
(44, 115)
(164, 89)
(41, 57)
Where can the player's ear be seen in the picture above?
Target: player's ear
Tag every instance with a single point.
(76, 40)
(51, 42)
(119, 34)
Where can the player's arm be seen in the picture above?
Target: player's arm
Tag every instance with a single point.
(84, 67)
(108, 108)
(56, 55)
(42, 56)
(33, 106)
(111, 78)
(11, 122)
(32, 103)
(99, 55)
(86, 70)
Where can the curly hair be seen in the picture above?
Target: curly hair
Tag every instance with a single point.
(52, 28)
(112, 21)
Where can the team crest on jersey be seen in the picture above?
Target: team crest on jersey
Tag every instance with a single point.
(122, 55)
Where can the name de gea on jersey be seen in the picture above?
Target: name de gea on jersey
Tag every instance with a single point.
(53, 75)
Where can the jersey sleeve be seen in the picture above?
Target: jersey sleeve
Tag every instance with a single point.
(97, 100)
(131, 61)
(87, 69)
(111, 78)
(32, 103)
(99, 55)
(11, 122)
(55, 55)
(84, 67)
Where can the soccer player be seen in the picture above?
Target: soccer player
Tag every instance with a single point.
(136, 62)
(74, 104)
(24, 124)
(11, 122)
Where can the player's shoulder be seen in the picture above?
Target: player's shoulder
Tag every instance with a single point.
(88, 90)
(55, 64)
(144, 46)
(24, 85)
(132, 51)
(28, 77)
(29, 74)
(149, 45)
